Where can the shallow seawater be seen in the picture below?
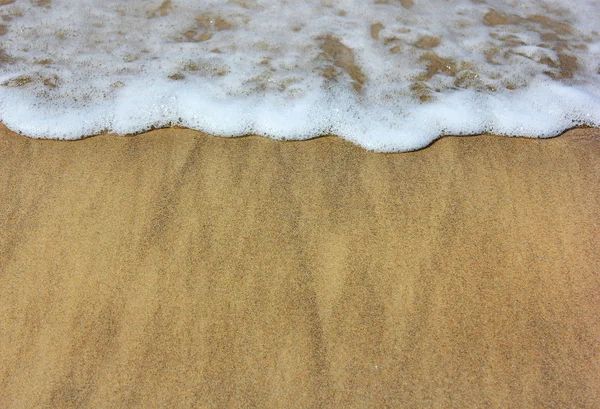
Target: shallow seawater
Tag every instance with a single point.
(389, 75)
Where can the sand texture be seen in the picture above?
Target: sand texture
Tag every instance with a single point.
(177, 270)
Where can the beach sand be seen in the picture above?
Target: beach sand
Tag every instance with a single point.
(178, 270)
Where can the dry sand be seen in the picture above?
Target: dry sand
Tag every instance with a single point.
(174, 269)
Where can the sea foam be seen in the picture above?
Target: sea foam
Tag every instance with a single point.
(389, 75)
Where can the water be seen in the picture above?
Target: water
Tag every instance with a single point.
(389, 75)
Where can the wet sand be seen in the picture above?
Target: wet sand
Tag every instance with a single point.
(174, 269)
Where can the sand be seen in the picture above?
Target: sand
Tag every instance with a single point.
(178, 270)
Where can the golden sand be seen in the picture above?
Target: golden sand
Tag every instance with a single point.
(178, 270)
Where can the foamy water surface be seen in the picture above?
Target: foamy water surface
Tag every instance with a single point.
(389, 75)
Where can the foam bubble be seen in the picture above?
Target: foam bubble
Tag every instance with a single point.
(388, 75)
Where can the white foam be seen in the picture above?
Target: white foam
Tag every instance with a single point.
(384, 76)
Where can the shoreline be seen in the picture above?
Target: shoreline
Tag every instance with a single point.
(578, 131)
(172, 268)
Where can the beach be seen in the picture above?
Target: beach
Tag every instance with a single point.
(177, 269)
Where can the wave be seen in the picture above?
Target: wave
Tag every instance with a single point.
(388, 75)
